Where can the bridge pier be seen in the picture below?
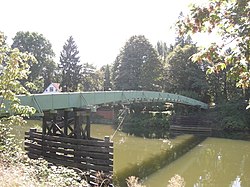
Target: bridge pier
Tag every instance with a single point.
(66, 140)
(67, 123)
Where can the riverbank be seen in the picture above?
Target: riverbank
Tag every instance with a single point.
(36, 173)
(16, 169)
(130, 151)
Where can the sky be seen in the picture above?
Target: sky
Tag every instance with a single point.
(100, 28)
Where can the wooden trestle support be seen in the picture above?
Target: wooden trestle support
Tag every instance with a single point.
(67, 123)
(65, 140)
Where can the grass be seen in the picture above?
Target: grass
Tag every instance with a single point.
(36, 173)
(13, 176)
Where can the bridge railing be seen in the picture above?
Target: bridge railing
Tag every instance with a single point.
(43, 102)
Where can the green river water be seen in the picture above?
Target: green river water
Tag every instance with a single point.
(213, 162)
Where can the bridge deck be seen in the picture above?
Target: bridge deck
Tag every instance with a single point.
(44, 102)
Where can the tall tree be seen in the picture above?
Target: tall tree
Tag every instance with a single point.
(230, 20)
(184, 76)
(107, 79)
(137, 66)
(222, 87)
(162, 50)
(183, 40)
(69, 64)
(115, 71)
(3, 38)
(92, 79)
(13, 69)
(37, 45)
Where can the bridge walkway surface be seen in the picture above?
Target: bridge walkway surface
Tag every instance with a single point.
(89, 100)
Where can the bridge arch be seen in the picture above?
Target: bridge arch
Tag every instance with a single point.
(66, 100)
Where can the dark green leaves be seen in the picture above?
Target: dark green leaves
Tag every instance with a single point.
(38, 46)
(70, 67)
(137, 67)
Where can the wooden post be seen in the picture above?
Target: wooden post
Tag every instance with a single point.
(106, 139)
(77, 130)
(66, 116)
(88, 113)
(44, 123)
(54, 127)
(44, 129)
(33, 130)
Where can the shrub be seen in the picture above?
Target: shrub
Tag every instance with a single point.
(16, 169)
(147, 125)
(233, 116)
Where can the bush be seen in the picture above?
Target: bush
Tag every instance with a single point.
(233, 116)
(30, 172)
(16, 169)
(147, 125)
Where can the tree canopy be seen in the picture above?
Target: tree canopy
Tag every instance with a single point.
(92, 79)
(69, 64)
(184, 76)
(229, 19)
(13, 69)
(107, 79)
(37, 45)
(137, 67)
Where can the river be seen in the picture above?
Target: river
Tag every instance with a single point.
(213, 162)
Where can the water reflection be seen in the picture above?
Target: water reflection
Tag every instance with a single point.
(217, 162)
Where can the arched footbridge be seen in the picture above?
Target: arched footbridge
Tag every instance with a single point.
(88, 100)
(63, 114)
(66, 139)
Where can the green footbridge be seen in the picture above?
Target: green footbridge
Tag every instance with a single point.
(89, 100)
(66, 134)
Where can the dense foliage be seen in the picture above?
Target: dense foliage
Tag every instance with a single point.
(147, 120)
(42, 72)
(229, 19)
(183, 76)
(107, 79)
(15, 167)
(92, 79)
(137, 67)
(70, 66)
(231, 116)
(14, 68)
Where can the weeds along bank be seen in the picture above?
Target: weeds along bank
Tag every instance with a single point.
(16, 169)
(37, 173)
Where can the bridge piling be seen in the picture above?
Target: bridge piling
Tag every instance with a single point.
(67, 123)
(66, 140)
